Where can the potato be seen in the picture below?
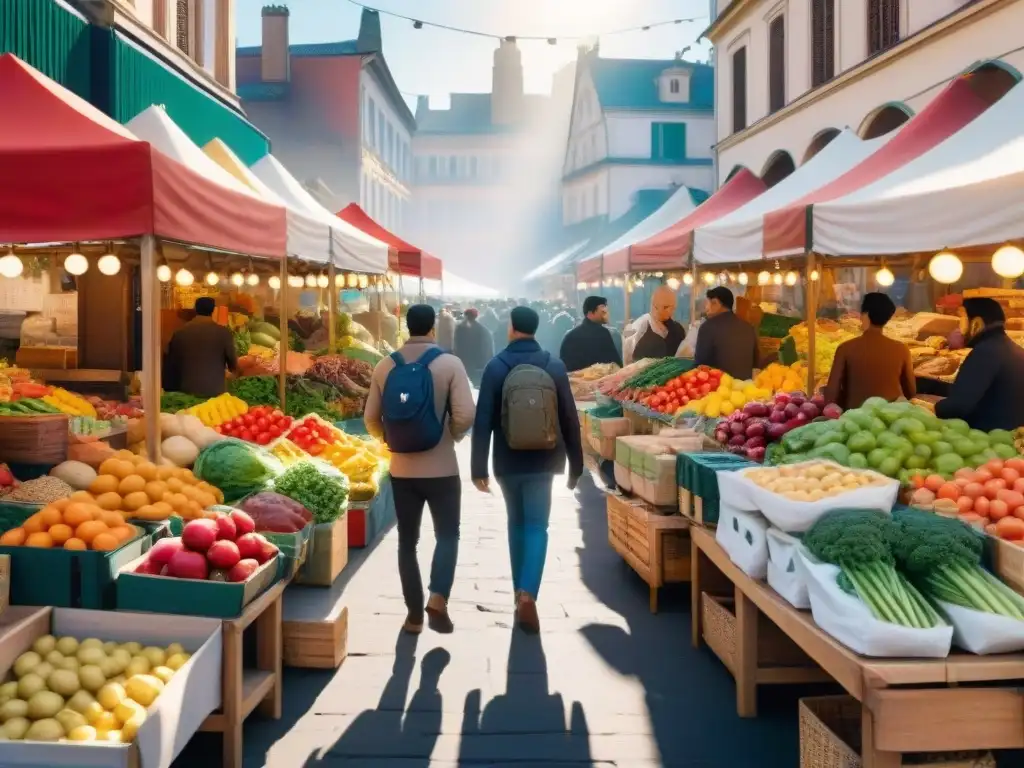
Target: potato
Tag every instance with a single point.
(91, 642)
(30, 685)
(81, 702)
(163, 673)
(26, 663)
(133, 648)
(127, 709)
(130, 728)
(56, 658)
(109, 647)
(122, 659)
(174, 648)
(109, 667)
(70, 662)
(90, 655)
(68, 646)
(45, 704)
(82, 733)
(70, 720)
(102, 720)
(177, 661)
(64, 682)
(13, 708)
(8, 691)
(144, 688)
(45, 730)
(43, 645)
(157, 657)
(91, 677)
(110, 695)
(16, 728)
(139, 665)
(43, 670)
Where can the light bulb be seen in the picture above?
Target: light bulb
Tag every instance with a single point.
(1007, 262)
(252, 279)
(884, 277)
(212, 278)
(777, 278)
(11, 266)
(310, 281)
(742, 278)
(108, 265)
(709, 278)
(673, 283)
(322, 281)
(688, 279)
(295, 281)
(763, 278)
(791, 279)
(364, 281)
(814, 275)
(237, 280)
(617, 282)
(639, 282)
(76, 264)
(184, 278)
(274, 282)
(163, 273)
(339, 281)
(945, 268)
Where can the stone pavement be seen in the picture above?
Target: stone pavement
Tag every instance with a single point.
(606, 683)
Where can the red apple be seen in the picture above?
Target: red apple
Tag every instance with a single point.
(223, 554)
(250, 545)
(149, 567)
(243, 523)
(188, 565)
(226, 528)
(164, 549)
(243, 570)
(199, 535)
(267, 552)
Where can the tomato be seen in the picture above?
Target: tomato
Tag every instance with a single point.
(248, 419)
(276, 413)
(263, 438)
(702, 376)
(302, 433)
(262, 423)
(705, 389)
(275, 431)
(316, 449)
(246, 435)
(673, 405)
(684, 400)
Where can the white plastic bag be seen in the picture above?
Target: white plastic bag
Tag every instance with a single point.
(689, 346)
(734, 491)
(797, 516)
(743, 536)
(982, 633)
(783, 576)
(849, 621)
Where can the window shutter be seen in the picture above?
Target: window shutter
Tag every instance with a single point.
(182, 14)
(739, 90)
(777, 64)
(883, 24)
(656, 145)
(823, 37)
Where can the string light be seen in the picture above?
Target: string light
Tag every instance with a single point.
(163, 273)
(777, 278)
(763, 278)
(673, 283)
(108, 264)
(1007, 262)
(364, 282)
(237, 280)
(11, 266)
(252, 279)
(742, 278)
(791, 279)
(814, 275)
(688, 279)
(76, 264)
(322, 281)
(310, 281)
(184, 278)
(945, 268)
(274, 282)
(884, 277)
(295, 281)
(212, 278)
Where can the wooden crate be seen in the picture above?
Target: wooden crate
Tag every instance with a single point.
(327, 554)
(317, 644)
(693, 509)
(1008, 562)
(774, 648)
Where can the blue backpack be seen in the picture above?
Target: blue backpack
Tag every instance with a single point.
(410, 420)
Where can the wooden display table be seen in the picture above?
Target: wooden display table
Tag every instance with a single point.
(908, 705)
(655, 546)
(245, 690)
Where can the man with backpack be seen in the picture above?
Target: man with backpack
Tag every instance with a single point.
(421, 404)
(526, 403)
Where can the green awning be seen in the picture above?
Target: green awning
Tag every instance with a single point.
(140, 79)
(52, 37)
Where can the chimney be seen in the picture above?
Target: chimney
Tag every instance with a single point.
(507, 84)
(274, 59)
(422, 105)
(369, 39)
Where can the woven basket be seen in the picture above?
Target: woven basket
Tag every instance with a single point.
(675, 553)
(34, 439)
(766, 347)
(719, 627)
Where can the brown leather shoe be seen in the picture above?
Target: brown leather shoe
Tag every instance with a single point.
(437, 615)
(526, 615)
(413, 624)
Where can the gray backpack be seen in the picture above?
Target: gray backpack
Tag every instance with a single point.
(529, 409)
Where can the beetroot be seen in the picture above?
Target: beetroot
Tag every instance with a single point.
(819, 400)
(188, 565)
(223, 554)
(811, 410)
(737, 441)
(831, 411)
(199, 535)
(721, 436)
(755, 429)
(250, 546)
(242, 570)
(737, 427)
(755, 442)
(226, 528)
(755, 454)
(737, 415)
(243, 523)
(777, 430)
(149, 567)
(792, 410)
(164, 549)
(777, 416)
(794, 423)
(802, 418)
(756, 409)
(798, 397)
(782, 399)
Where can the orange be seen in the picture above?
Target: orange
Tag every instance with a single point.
(146, 470)
(133, 501)
(60, 533)
(13, 538)
(180, 503)
(34, 524)
(41, 540)
(105, 542)
(104, 484)
(50, 516)
(82, 496)
(131, 484)
(75, 544)
(124, 453)
(164, 473)
(165, 509)
(174, 485)
(78, 513)
(111, 519)
(61, 503)
(155, 490)
(122, 533)
(110, 501)
(88, 531)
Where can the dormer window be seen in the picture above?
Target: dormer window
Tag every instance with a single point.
(674, 85)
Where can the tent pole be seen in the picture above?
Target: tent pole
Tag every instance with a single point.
(332, 307)
(151, 346)
(811, 307)
(282, 348)
(628, 289)
(693, 292)
(380, 306)
(423, 293)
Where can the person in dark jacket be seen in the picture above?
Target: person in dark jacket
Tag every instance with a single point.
(986, 393)
(474, 345)
(590, 342)
(655, 334)
(525, 477)
(725, 341)
(199, 353)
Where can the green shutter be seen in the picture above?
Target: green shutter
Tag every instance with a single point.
(656, 145)
(673, 137)
(51, 37)
(138, 81)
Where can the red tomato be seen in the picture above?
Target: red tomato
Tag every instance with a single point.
(315, 449)
(981, 506)
(995, 467)
(997, 510)
(1015, 464)
(684, 400)
(673, 406)
(1010, 475)
(275, 431)
(219, 429)
(965, 504)
(248, 419)
(702, 376)
(246, 435)
(994, 486)
(262, 423)
(1013, 499)
(302, 433)
(1019, 485)
(263, 438)
(705, 389)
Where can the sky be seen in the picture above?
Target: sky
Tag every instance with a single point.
(437, 62)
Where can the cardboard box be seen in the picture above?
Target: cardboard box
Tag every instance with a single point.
(191, 597)
(327, 555)
(173, 719)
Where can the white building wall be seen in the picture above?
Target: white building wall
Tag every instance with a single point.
(626, 180)
(385, 169)
(629, 133)
(911, 73)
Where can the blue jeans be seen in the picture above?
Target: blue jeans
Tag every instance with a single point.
(528, 501)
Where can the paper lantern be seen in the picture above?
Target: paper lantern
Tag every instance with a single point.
(252, 279)
(322, 281)
(814, 275)
(274, 282)
(295, 281)
(1008, 262)
(11, 266)
(364, 281)
(673, 283)
(237, 280)
(687, 279)
(212, 278)
(945, 268)
(76, 264)
(763, 278)
(742, 278)
(164, 274)
(777, 278)
(709, 279)
(310, 281)
(884, 277)
(791, 278)
(184, 278)
(109, 265)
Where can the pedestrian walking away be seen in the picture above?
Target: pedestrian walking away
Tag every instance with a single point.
(526, 405)
(474, 345)
(421, 404)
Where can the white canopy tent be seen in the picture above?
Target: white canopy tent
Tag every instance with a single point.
(739, 236)
(966, 191)
(451, 286)
(353, 249)
(552, 265)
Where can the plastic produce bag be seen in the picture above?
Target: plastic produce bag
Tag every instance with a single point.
(783, 576)
(983, 633)
(798, 516)
(743, 536)
(689, 346)
(851, 622)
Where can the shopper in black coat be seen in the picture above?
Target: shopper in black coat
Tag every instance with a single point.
(590, 342)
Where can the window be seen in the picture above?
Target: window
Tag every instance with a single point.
(739, 90)
(777, 64)
(883, 24)
(673, 85)
(823, 38)
(472, 168)
(184, 26)
(453, 167)
(668, 141)
(433, 167)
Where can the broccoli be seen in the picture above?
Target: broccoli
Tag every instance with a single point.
(942, 556)
(860, 542)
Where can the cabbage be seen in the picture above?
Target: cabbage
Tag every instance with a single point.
(236, 467)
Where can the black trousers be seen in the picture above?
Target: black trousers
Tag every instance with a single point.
(443, 496)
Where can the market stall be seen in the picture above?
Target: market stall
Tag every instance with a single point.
(405, 259)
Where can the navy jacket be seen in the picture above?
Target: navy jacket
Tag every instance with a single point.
(488, 418)
(986, 391)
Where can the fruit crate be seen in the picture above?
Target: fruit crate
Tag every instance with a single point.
(327, 554)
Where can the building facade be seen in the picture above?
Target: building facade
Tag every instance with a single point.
(126, 55)
(635, 124)
(334, 115)
(790, 74)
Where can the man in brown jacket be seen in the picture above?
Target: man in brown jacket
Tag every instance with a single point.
(199, 353)
(871, 365)
(428, 477)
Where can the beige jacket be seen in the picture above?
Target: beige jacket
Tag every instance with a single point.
(451, 387)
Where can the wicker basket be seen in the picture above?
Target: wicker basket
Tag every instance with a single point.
(830, 738)
(768, 347)
(39, 439)
(675, 556)
(774, 647)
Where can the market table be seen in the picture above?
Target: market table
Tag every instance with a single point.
(908, 705)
